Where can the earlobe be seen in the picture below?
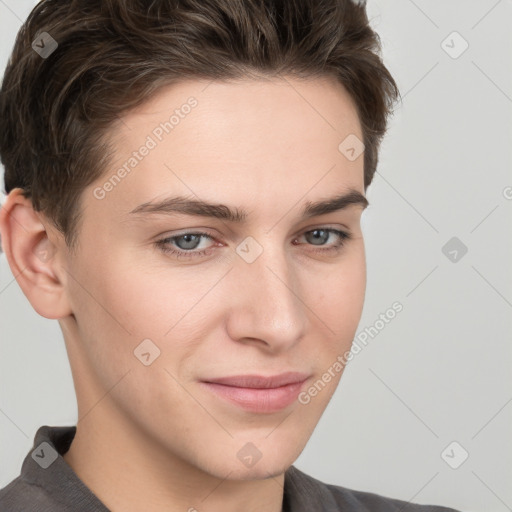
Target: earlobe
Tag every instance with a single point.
(32, 256)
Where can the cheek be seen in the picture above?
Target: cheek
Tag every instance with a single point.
(146, 304)
(116, 307)
(169, 308)
(336, 295)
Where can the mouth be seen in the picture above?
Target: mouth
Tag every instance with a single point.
(256, 393)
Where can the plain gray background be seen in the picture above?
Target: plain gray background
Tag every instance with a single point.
(439, 372)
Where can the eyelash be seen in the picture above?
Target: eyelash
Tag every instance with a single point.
(164, 243)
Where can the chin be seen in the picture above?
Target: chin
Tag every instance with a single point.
(250, 463)
(258, 472)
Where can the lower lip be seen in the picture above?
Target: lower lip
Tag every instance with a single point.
(256, 399)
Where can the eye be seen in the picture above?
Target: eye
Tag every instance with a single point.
(186, 244)
(323, 234)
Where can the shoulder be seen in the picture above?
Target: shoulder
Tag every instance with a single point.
(20, 496)
(303, 488)
(46, 482)
(367, 501)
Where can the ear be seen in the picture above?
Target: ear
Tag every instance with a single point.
(33, 257)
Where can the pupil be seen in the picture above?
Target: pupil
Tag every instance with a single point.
(319, 237)
(188, 240)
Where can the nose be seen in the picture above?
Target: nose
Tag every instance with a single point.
(267, 308)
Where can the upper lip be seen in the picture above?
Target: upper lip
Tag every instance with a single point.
(260, 381)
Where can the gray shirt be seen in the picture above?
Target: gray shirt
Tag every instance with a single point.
(47, 483)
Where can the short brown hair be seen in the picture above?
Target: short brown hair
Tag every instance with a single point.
(113, 54)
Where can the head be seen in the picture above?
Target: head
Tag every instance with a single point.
(262, 109)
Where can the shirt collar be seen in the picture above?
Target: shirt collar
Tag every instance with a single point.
(45, 467)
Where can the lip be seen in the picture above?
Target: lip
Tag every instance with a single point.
(257, 393)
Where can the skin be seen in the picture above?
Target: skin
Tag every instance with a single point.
(150, 437)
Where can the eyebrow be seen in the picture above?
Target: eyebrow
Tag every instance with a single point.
(188, 206)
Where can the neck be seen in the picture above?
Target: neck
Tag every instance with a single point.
(129, 473)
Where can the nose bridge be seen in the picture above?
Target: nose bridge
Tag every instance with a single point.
(269, 293)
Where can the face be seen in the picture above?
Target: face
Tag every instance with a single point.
(166, 300)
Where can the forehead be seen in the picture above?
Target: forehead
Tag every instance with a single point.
(210, 110)
(209, 138)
